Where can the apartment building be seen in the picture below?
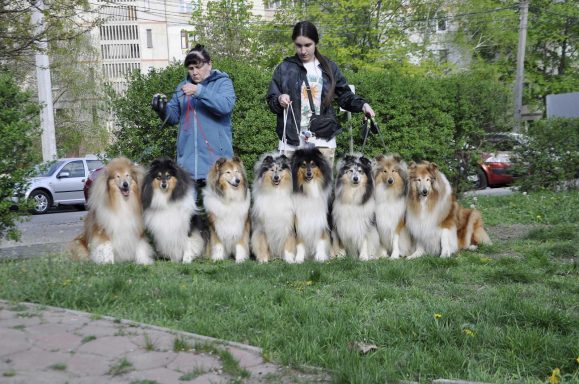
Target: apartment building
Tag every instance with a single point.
(146, 34)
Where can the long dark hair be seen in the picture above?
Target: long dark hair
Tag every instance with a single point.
(309, 30)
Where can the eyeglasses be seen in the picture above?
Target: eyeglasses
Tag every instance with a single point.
(196, 66)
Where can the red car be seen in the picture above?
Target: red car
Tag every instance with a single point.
(496, 168)
(90, 179)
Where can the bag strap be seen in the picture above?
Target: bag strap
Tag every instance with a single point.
(309, 90)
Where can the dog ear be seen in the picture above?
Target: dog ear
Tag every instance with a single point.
(268, 159)
(379, 158)
(432, 167)
(412, 165)
(397, 158)
(365, 161)
(236, 159)
(219, 162)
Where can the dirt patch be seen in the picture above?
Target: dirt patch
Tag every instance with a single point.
(510, 232)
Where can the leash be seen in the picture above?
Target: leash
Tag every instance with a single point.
(373, 127)
(285, 119)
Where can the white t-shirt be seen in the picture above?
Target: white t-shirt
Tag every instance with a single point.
(316, 81)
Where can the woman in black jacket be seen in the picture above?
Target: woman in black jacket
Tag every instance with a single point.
(296, 125)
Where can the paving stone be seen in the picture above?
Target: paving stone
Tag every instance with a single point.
(56, 342)
(82, 364)
(49, 328)
(29, 377)
(111, 346)
(187, 362)
(161, 341)
(246, 359)
(18, 321)
(97, 330)
(142, 360)
(37, 360)
(210, 378)
(261, 370)
(13, 341)
(160, 375)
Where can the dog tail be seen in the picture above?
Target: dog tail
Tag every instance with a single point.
(78, 249)
(479, 235)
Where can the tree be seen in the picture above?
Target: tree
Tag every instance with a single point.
(19, 129)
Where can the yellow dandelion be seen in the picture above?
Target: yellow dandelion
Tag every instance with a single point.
(469, 332)
(577, 359)
(555, 376)
(309, 282)
(437, 316)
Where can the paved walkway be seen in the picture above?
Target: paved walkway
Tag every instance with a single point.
(40, 344)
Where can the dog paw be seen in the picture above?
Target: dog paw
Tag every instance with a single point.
(187, 258)
(300, 254)
(103, 254)
(289, 257)
(241, 254)
(341, 252)
(445, 253)
(395, 255)
(472, 247)
(218, 253)
(415, 255)
(144, 254)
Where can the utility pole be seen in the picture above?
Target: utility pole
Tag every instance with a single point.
(44, 85)
(524, 8)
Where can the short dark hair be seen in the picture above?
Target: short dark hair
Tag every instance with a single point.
(196, 55)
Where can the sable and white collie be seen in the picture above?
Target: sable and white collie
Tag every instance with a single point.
(390, 194)
(353, 210)
(226, 199)
(113, 228)
(312, 184)
(169, 207)
(435, 220)
(273, 230)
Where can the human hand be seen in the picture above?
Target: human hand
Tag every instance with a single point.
(189, 89)
(159, 104)
(368, 111)
(284, 100)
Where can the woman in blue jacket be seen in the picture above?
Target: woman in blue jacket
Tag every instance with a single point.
(202, 105)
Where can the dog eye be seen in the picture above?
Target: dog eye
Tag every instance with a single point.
(158, 177)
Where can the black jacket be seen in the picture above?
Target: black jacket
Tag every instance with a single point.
(288, 78)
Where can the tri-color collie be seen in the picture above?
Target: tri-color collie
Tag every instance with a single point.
(311, 177)
(113, 228)
(390, 194)
(353, 210)
(169, 207)
(273, 231)
(438, 224)
(226, 199)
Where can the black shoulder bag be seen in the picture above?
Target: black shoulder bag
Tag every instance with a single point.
(322, 126)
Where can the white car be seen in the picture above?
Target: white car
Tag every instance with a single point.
(60, 183)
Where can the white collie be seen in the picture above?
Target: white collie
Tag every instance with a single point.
(311, 177)
(273, 231)
(390, 177)
(113, 228)
(353, 210)
(226, 199)
(438, 224)
(169, 208)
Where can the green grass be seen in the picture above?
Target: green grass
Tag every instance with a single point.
(121, 367)
(508, 312)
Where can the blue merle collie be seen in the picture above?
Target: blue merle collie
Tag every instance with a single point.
(312, 185)
(353, 209)
(169, 209)
(273, 233)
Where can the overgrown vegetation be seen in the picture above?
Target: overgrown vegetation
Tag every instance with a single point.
(506, 313)
(421, 118)
(550, 159)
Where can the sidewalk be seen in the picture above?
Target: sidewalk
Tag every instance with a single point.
(40, 344)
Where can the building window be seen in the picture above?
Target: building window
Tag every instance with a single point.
(441, 22)
(186, 6)
(149, 38)
(184, 39)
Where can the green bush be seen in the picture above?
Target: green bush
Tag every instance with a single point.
(550, 160)
(422, 118)
(19, 129)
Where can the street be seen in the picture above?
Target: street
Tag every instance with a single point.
(44, 234)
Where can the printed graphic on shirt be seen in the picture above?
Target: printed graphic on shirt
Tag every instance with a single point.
(316, 83)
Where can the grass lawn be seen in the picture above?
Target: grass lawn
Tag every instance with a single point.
(507, 313)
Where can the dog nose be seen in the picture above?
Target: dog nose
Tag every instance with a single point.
(424, 192)
(355, 179)
(390, 181)
(125, 185)
(308, 173)
(275, 177)
(163, 185)
(237, 181)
